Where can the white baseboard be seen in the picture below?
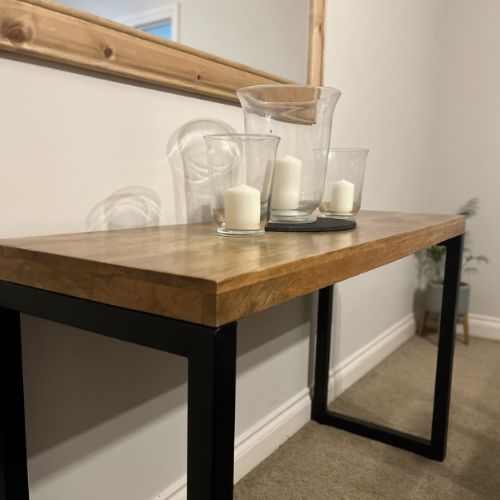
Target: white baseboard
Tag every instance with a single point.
(176, 491)
(485, 327)
(262, 439)
(356, 366)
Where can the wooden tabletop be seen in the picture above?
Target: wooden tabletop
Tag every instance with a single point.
(188, 272)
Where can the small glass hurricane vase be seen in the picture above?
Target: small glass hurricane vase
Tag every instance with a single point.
(241, 168)
(344, 181)
(301, 116)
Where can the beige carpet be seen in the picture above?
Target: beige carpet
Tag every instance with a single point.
(324, 463)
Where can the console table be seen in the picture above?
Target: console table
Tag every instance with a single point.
(182, 289)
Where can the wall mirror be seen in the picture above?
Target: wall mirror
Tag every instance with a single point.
(208, 47)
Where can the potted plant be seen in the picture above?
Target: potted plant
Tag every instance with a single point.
(432, 261)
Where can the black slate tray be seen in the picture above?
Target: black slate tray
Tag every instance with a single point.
(322, 224)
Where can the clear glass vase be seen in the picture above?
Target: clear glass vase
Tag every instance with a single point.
(301, 116)
(344, 181)
(241, 168)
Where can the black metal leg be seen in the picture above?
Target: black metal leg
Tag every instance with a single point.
(322, 360)
(211, 413)
(13, 463)
(434, 448)
(444, 370)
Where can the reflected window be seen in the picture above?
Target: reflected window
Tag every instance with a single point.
(160, 21)
(163, 29)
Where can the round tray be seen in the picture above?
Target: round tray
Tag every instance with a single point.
(321, 224)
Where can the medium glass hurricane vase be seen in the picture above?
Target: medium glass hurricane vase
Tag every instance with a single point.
(240, 174)
(301, 116)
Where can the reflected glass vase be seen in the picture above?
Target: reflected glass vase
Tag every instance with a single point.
(301, 116)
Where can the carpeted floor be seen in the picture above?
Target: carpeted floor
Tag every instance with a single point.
(321, 463)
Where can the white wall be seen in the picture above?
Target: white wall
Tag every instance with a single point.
(269, 35)
(382, 56)
(467, 162)
(106, 420)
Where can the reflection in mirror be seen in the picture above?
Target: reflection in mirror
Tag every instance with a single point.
(132, 206)
(269, 35)
(160, 21)
(187, 155)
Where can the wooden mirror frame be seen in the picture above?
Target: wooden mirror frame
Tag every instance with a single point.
(54, 32)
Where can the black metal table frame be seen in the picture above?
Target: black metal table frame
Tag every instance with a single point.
(435, 448)
(211, 354)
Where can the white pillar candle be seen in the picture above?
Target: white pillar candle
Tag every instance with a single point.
(242, 207)
(342, 197)
(286, 186)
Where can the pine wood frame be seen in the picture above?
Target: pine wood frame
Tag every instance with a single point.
(42, 29)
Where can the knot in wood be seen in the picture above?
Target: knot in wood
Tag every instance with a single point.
(17, 32)
(108, 52)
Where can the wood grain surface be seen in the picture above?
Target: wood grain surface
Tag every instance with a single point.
(188, 272)
(317, 22)
(55, 32)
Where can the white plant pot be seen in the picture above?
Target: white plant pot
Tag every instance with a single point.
(434, 298)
